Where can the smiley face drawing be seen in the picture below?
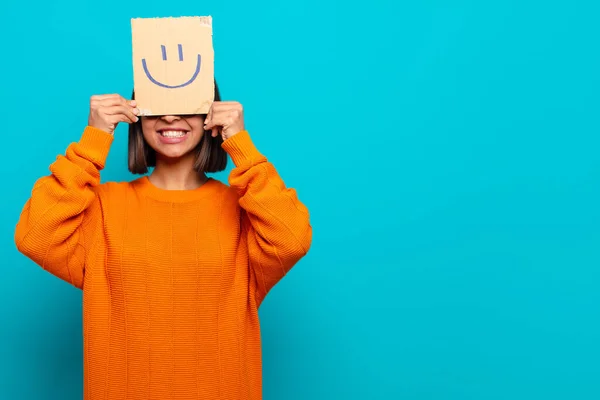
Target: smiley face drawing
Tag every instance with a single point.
(173, 65)
(164, 58)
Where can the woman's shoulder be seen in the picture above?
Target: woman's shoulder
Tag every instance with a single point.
(115, 188)
(225, 192)
(224, 188)
(122, 188)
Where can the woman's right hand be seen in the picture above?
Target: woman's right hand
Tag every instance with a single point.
(107, 110)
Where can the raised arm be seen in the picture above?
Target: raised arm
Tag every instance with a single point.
(275, 222)
(63, 218)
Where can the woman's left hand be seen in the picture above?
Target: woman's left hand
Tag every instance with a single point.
(226, 117)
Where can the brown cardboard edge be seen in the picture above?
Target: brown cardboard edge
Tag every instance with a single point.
(204, 20)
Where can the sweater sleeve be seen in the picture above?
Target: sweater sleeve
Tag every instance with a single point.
(62, 219)
(275, 222)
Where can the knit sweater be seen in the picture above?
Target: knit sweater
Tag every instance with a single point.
(171, 280)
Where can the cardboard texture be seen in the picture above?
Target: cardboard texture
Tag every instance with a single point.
(173, 65)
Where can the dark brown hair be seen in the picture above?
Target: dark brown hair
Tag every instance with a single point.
(210, 156)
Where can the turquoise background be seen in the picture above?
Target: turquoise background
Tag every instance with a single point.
(448, 152)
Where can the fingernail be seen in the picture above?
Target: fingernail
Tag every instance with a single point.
(133, 103)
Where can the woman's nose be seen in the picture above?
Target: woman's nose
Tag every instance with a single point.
(170, 118)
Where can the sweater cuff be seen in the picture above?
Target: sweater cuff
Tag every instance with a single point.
(241, 148)
(97, 143)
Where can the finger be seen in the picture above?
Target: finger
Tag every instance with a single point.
(220, 112)
(209, 116)
(219, 107)
(102, 97)
(225, 106)
(222, 107)
(122, 110)
(215, 121)
(217, 125)
(115, 119)
(111, 101)
(234, 111)
(105, 96)
(213, 128)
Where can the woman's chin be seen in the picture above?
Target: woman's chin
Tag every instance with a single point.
(173, 153)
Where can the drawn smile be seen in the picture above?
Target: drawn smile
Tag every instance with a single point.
(164, 57)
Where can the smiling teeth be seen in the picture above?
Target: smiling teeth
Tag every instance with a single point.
(173, 134)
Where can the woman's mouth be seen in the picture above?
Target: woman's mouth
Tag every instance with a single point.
(172, 136)
(172, 133)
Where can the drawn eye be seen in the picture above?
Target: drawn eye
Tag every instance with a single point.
(164, 52)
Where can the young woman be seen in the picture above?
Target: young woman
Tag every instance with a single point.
(174, 265)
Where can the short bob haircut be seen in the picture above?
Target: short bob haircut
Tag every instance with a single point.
(210, 156)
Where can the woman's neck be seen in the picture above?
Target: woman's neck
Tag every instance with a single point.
(176, 175)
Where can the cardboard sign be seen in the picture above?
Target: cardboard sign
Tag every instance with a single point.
(173, 65)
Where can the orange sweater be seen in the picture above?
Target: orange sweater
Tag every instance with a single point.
(172, 280)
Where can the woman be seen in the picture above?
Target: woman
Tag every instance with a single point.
(174, 265)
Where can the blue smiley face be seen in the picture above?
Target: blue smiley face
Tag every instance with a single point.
(164, 57)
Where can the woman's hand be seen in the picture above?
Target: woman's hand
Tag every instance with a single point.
(226, 117)
(107, 110)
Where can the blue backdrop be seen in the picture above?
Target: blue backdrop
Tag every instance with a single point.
(448, 152)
